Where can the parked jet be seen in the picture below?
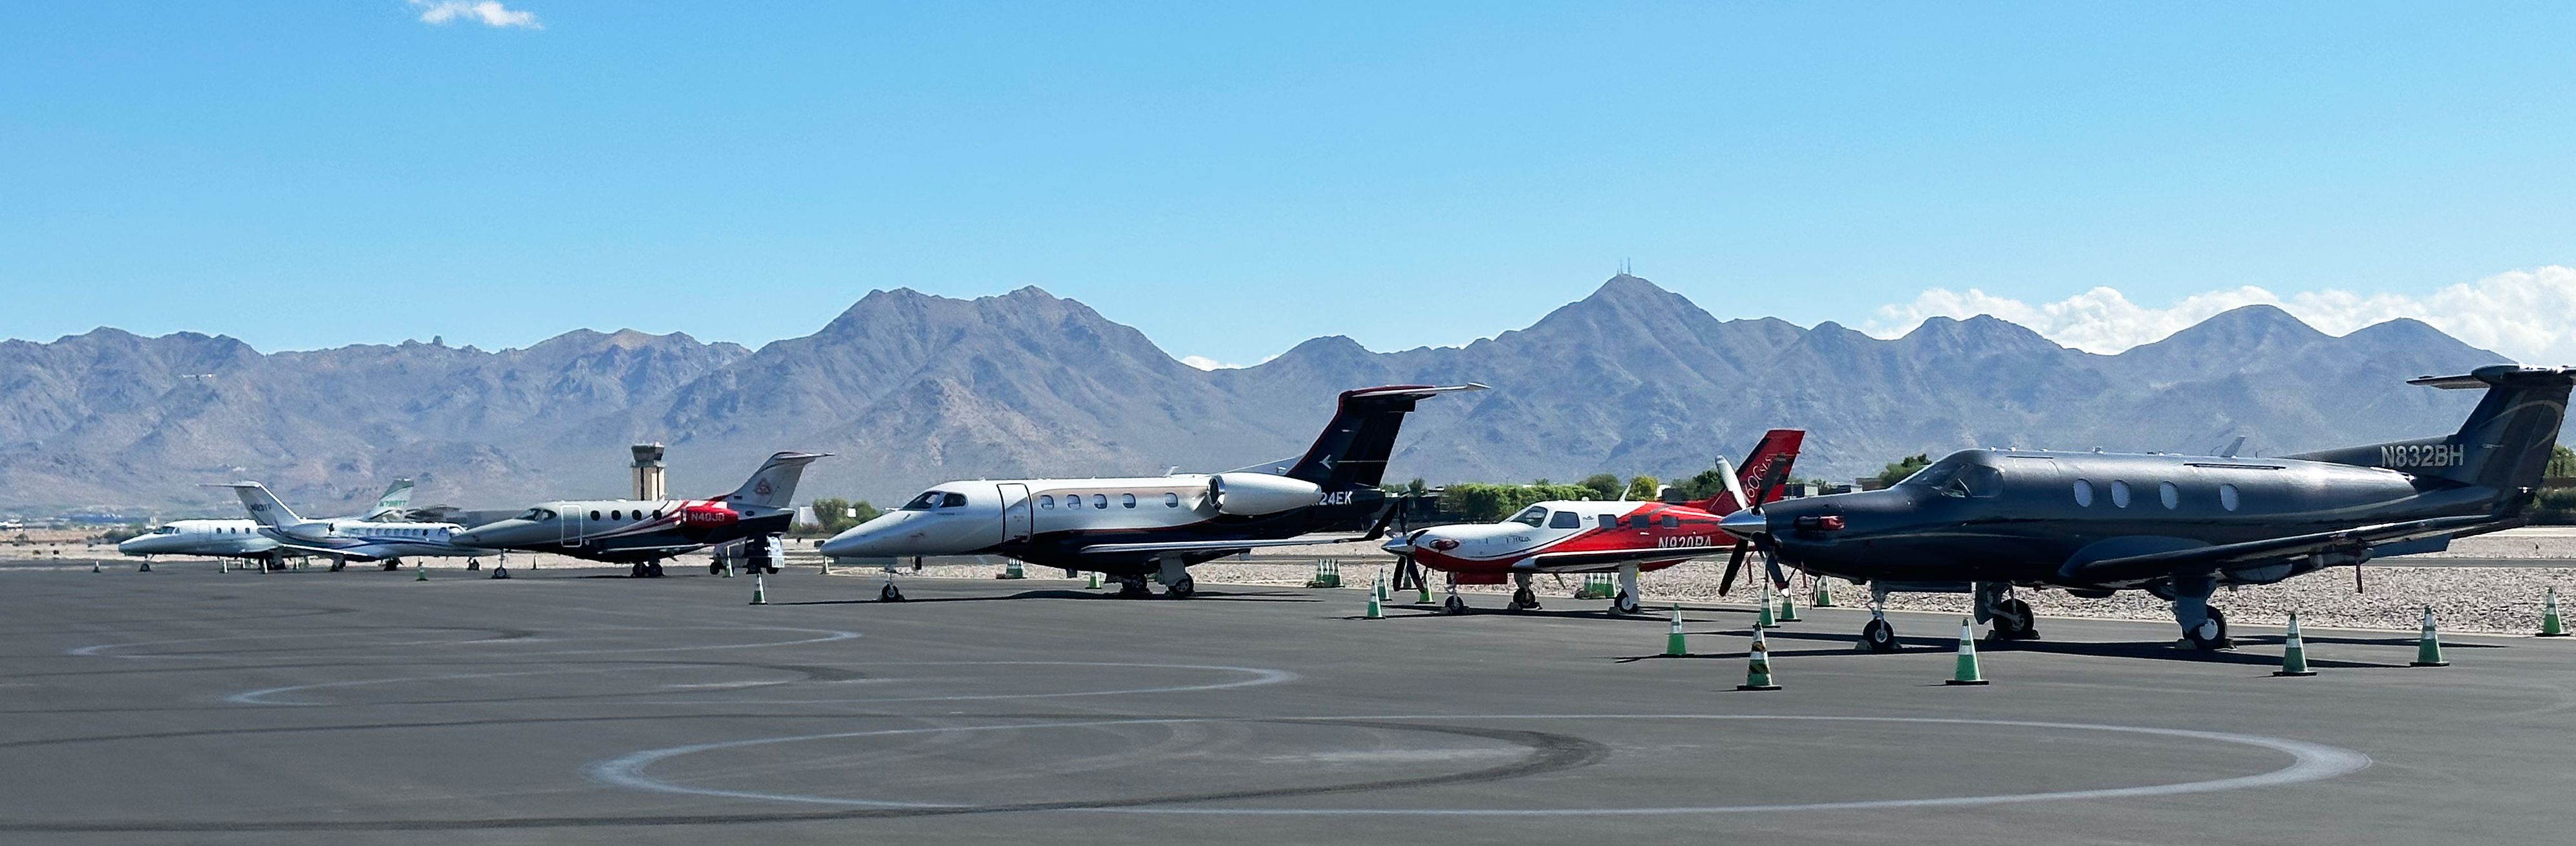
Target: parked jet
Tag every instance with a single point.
(347, 539)
(1127, 528)
(207, 538)
(1596, 537)
(2174, 526)
(644, 532)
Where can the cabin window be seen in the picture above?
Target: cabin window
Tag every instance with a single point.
(2119, 494)
(1047, 502)
(1536, 516)
(594, 515)
(926, 501)
(617, 515)
(657, 514)
(1128, 500)
(2083, 493)
(955, 500)
(1099, 501)
(1609, 521)
(2227, 497)
(1171, 500)
(2170, 495)
(1672, 521)
(1565, 520)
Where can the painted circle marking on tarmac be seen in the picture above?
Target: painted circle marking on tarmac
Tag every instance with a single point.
(2309, 762)
(826, 636)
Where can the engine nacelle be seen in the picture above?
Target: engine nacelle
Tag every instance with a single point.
(1250, 494)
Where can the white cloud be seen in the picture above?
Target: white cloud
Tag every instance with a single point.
(489, 12)
(2529, 315)
(1205, 363)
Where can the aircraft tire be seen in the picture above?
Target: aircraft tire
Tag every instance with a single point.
(635, 571)
(1454, 605)
(390, 565)
(715, 568)
(653, 570)
(338, 565)
(1181, 589)
(1524, 599)
(1625, 604)
(1878, 636)
(890, 593)
(2016, 609)
(2222, 641)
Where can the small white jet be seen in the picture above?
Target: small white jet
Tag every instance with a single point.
(641, 533)
(240, 538)
(346, 539)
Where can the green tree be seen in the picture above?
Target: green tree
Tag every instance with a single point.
(1897, 471)
(1604, 486)
(2562, 462)
(1644, 488)
(833, 515)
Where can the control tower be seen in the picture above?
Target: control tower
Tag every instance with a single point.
(648, 471)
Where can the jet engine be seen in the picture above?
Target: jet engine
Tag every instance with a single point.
(1250, 494)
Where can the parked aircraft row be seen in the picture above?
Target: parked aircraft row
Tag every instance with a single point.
(1985, 522)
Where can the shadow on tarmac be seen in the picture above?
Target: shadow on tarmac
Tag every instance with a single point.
(2150, 651)
(1201, 596)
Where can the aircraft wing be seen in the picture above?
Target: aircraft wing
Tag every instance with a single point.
(354, 553)
(2209, 557)
(1210, 545)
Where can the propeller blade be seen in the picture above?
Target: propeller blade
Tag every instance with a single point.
(1734, 564)
(1779, 580)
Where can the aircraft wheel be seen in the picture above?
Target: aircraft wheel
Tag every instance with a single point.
(389, 565)
(1181, 589)
(890, 593)
(2015, 609)
(653, 570)
(1625, 604)
(473, 563)
(1454, 605)
(715, 568)
(336, 566)
(1878, 636)
(1524, 599)
(2203, 637)
(635, 571)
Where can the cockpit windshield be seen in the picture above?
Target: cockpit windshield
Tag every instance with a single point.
(166, 530)
(926, 501)
(537, 515)
(1536, 516)
(1956, 477)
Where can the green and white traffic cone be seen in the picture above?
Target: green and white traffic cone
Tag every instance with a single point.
(93, 567)
(1757, 665)
(1376, 609)
(1762, 619)
(420, 572)
(1824, 598)
(759, 589)
(1424, 584)
(1011, 570)
(1788, 607)
(2428, 646)
(1091, 583)
(1674, 641)
(1967, 672)
(1380, 587)
(2549, 625)
(2294, 652)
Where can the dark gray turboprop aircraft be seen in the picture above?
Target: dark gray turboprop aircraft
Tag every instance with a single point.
(2174, 526)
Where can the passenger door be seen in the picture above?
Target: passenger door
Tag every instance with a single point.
(571, 528)
(1015, 513)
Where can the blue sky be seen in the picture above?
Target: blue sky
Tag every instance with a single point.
(1233, 179)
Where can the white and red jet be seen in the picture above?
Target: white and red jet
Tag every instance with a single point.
(1597, 537)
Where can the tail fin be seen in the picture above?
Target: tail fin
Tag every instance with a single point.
(774, 484)
(1352, 451)
(395, 500)
(2505, 443)
(1762, 474)
(264, 506)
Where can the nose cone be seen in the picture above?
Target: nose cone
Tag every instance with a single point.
(866, 540)
(135, 545)
(1403, 544)
(1747, 524)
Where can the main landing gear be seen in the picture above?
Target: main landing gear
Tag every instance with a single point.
(2203, 627)
(1131, 587)
(1175, 575)
(2011, 616)
(1626, 602)
(1523, 598)
(645, 570)
(1454, 604)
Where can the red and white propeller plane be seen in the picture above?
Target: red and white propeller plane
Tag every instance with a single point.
(1598, 537)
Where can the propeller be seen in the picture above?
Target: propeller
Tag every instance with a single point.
(1735, 562)
(1772, 477)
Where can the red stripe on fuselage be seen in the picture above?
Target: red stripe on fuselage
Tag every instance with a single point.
(1692, 524)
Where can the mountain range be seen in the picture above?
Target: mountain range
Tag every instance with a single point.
(909, 389)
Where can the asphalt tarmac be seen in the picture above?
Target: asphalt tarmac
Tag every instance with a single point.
(573, 706)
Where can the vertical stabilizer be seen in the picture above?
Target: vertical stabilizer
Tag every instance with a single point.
(396, 499)
(1763, 475)
(264, 506)
(774, 485)
(2505, 443)
(1353, 450)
